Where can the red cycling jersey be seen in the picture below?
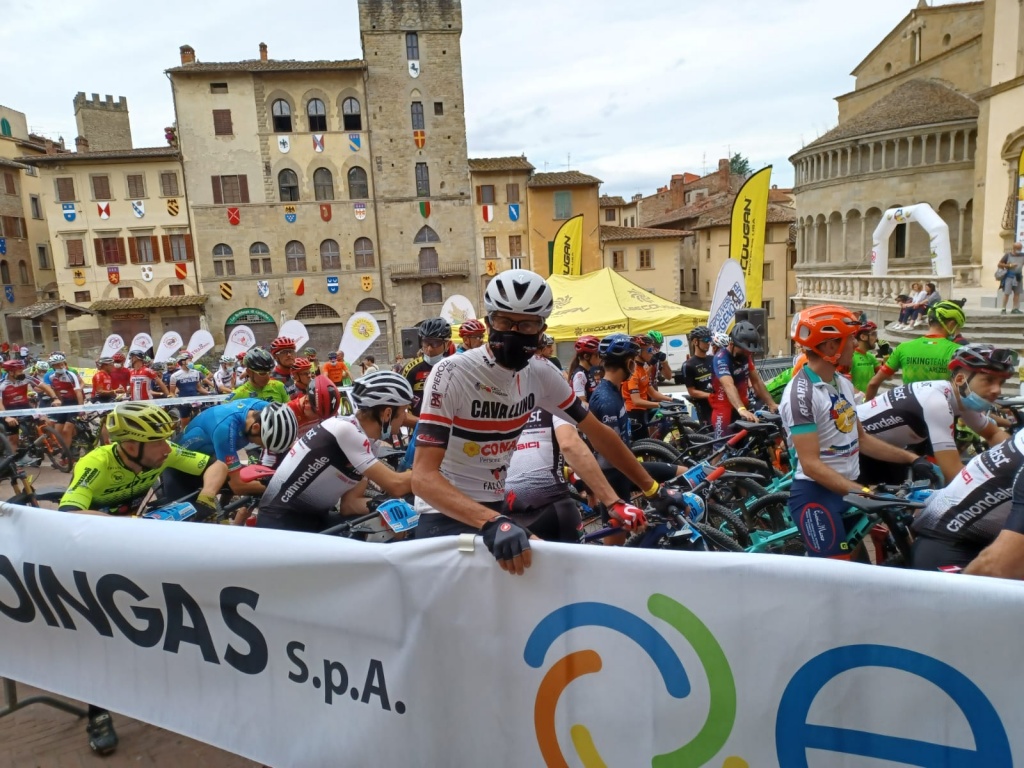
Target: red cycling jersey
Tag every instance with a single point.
(101, 382)
(14, 392)
(120, 377)
(64, 384)
(139, 383)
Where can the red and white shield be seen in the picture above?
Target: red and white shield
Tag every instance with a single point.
(234, 216)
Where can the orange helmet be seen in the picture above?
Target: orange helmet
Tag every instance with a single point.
(815, 325)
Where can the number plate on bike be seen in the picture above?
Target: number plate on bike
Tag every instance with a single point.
(397, 517)
(177, 512)
(696, 475)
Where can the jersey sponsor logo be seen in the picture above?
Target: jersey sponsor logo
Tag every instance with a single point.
(311, 471)
(986, 503)
(435, 400)
(966, 476)
(883, 422)
(471, 449)
(88, 477)
(527, 446)
(803, 402)
(485, 409)
(997, 456)
(490, 390)
(898, 394)
(843, 414)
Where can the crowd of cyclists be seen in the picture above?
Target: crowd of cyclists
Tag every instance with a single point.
(491, 436)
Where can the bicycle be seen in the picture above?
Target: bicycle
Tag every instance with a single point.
(39, 438)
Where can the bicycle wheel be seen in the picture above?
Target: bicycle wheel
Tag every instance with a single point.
(768, 513)
(6, 449)
(718, 541)
(727, 521)
(752, 465)
(654, 450)
(56, 449)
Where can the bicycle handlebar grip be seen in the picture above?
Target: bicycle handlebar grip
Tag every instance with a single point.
(735, 439)
(716, 473)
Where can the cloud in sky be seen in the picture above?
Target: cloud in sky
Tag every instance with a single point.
(631, 94)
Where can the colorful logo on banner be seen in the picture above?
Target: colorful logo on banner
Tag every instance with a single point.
(114, 275)
(332, 285)
(172, 206)
(360, 210)
(513, 211)
(138, 208)
(289, 214)
(263, 288)
(69, 211)
(103, 209)
(318, 142)
(147, 272)
(9, 293)
(795, 731)
(325, 211)
(419, 137)
(354, 142)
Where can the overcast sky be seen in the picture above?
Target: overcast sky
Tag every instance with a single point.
(633, 91)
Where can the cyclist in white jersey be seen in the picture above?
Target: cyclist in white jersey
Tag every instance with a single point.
(475, 406)
(224, 376)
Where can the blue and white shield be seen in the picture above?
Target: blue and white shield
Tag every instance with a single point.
(513, 211)
(263, 288)
(9, 293)
(69, 211)
(3, 246)
(290, 218)
(354, 142)
(332, 285)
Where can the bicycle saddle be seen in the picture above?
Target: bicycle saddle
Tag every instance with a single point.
(870, 504)
(255, 473)
(752, 426)
(769, 418)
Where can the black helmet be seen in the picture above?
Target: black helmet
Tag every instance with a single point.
(259, 360)
(745, 336)
(700, 333)
(435, 328)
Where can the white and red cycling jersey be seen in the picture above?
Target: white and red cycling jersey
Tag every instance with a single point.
(14, 392)
(476, 409)
(65, 383)
(535, 471)
(139, 384)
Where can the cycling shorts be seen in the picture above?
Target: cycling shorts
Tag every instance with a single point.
(818, 513)
(931, 554)
(62, 418)
(439, 524)
(557, 520)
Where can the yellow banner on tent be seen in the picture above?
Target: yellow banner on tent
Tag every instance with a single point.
(605, 302)
(748, 229)
(567, 253)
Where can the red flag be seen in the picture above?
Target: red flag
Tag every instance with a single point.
(234, 216)
(325, 211)
(181, 270)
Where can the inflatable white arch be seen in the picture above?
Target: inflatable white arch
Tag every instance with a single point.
(925, 215)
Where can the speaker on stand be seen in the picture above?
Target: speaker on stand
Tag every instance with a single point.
(759, 319)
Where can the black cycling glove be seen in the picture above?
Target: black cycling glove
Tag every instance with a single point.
(668, 497)
(922, 469)
(505, 539)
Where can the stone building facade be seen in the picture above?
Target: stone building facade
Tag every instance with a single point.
(104, 122)
(501, 219)
(650, 258)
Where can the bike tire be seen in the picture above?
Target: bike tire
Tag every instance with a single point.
(767, 513)
(750, 464)
(25, 499)
(720, 541)
(6, 449)
(718, 516)
(655, 450)
(56, 450)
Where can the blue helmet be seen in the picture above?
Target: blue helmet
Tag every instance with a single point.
(618, 345)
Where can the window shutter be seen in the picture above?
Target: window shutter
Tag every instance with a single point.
(121, 255)
(133, 251)
(9, 183)
(218, 198)
(98, 246)
(167, 247)
(243, 188)
(189, 254)
(155, 246)
(24, 228)
(479, 195)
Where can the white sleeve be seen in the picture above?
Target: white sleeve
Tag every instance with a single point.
(579, 383)
(355, 445)
(938, 418)
(975, 420)
(554, 394)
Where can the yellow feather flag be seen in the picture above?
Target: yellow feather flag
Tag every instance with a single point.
(748, 229)
(567, 248)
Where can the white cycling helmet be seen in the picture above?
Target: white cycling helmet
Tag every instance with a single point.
(278, 427)
(225, 360)
(519, 290)
(721, 340)
(57, 358)
(382, 388)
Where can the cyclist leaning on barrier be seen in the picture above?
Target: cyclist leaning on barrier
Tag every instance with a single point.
(925, 358)
(865, 365)
(733, 375)
(472, 334)
(14, 389)
(922, 416)
(476, 405)
(187, 382)
(637, 392)
(67, 386)
(581, 367)
(333, 460)
(821, 423)
(224, 376)
(259, 384)
(696, 372)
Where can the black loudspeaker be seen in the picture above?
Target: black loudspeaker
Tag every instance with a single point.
(410, 343)
(759, 319)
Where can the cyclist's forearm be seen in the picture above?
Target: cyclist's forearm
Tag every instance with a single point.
(827, 477)
(585, 465)
(214, 478)
(607, 442)
(731, 393)
(431, 486)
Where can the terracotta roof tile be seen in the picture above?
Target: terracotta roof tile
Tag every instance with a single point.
(610, 201)
(721, 216)
(33, 311)
(255, 65)
(484, 164)
(562, 179)
(152, 302)
(612, 234)
(5, 163)
(915, 102)
(168, 153)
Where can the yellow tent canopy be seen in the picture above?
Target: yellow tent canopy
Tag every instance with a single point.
(604, 302)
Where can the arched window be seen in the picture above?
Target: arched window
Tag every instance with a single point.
(5, 127)
(323, 184)
(23, 272)
(281, 112)
(369, 305)
(330, 255)
(5, 273)
(350, 115)
(295, 256)
(428, 260)
(316, 312)
(259, 259)
(358, 186)
(317, 115)
(426, 235)
(223, 260)
(363, 251)
(431, 293)
(288, 185)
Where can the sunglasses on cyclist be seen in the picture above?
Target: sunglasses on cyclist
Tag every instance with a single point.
(1005, 357)
(501, 323)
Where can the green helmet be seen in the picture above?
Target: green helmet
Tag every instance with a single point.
(657, 337)
(943, 311)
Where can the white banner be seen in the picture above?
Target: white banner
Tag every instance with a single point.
(361, 330)
(242, 339)
(730, 295)
(142, 341)
(296, 331)
(457, 309)
(292, 649)
(112, 345)
(200, 343)
(170, 343)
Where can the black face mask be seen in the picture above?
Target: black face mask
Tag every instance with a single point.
(513, 350)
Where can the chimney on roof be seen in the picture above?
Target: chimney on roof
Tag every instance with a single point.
(263, 51)
(81, 144)
(188, 54)
(51, 148)
(638, 196)
(723, 172)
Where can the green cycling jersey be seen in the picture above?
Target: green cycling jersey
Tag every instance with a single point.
(863, 369)
(102, 481)
(273, 392)
(924, 359)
